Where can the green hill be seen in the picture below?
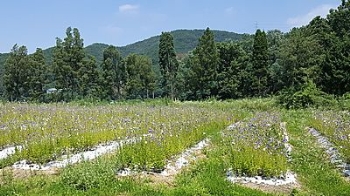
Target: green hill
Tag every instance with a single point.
(184, 41)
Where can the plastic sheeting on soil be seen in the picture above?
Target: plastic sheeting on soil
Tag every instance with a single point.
(174, 166)
(332, 151)
(66, 160)
(9, 151)
(288, 178)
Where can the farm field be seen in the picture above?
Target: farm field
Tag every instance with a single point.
(124, 149)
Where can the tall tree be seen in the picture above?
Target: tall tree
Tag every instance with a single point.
(232, 60)
(337, 68)
(204, 64)
(140, 76)
(67, 60)
(37, 75)
(260, 62)
(89, 78)
(16, 74)
(113, 73)
(182, 81)
(298, 59)
(246, 72)
(168, 64)
(275, 38)
(319, 32)
(61, 70)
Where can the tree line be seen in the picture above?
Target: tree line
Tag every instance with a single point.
(310, 60)
(74, 75)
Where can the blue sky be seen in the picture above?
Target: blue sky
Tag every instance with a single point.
(36, 23)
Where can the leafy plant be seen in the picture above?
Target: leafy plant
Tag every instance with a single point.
(308, 96)
(88, 175)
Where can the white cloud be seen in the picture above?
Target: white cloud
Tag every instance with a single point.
(128, 8)
(301, 20)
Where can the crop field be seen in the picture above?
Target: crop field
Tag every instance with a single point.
(336, 126)
(211, 141)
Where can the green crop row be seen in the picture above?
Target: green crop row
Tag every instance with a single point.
(152, 153)
(46, 132)
(256, 146)
(335, 125)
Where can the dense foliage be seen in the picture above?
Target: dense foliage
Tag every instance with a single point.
(310, 61)
(168, 64)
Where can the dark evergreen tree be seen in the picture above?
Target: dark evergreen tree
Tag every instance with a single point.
(113, 73)
(140, 76)
(67, 60)
(319, 31)
(16, 74)
(260, 62)
(298, 59)
(183, 79)
(204, 64)
(168, 64)
(246, 72)
(89, 78)
(232, 60)
(337, 67)
(37, 75)
(275, 39)
(62, 71)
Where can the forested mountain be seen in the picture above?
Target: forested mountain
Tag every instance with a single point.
(184, 41)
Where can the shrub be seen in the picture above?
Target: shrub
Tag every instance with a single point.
(88, 175)
(308, 96)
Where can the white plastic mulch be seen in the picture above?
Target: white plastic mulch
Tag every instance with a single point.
(66, 160)
(174, 166)
(288, 178)
(6, 152)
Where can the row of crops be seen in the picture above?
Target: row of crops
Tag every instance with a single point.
(256, 147)
(254, 144)
(46, 132)
(336, 127)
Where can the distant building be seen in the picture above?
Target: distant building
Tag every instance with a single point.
(51, 90)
